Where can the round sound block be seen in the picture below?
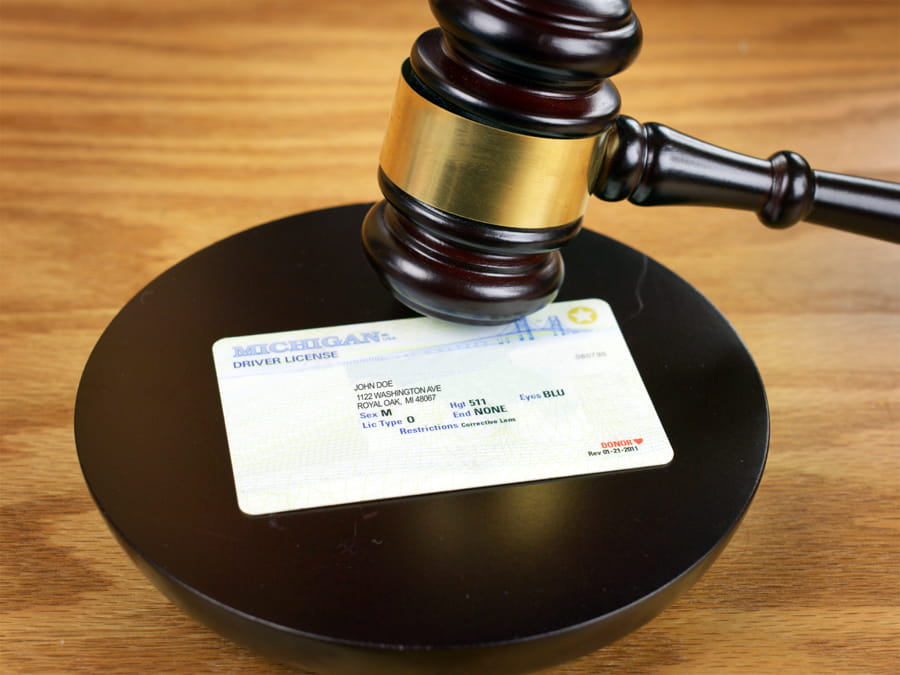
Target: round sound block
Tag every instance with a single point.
(500, 580)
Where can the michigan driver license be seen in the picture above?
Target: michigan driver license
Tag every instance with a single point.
(328, 416)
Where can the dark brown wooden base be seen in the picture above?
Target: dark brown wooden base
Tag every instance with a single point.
(506, 579)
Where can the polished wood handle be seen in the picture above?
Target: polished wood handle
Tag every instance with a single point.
(652, 164)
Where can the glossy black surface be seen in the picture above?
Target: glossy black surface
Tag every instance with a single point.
(505, 579)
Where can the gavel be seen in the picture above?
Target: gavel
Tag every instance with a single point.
(503, 126)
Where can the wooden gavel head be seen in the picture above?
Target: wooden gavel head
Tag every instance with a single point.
(492, 151)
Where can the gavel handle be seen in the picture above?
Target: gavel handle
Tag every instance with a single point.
(651, 164)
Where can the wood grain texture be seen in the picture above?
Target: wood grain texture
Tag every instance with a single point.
(133, 133)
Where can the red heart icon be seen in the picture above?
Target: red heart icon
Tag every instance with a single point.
(638, 440)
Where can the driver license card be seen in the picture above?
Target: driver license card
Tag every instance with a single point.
(344, 414)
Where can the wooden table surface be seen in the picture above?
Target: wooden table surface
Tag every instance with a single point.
(134, 133)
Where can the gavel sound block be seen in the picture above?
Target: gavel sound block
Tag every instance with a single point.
(505, 124)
